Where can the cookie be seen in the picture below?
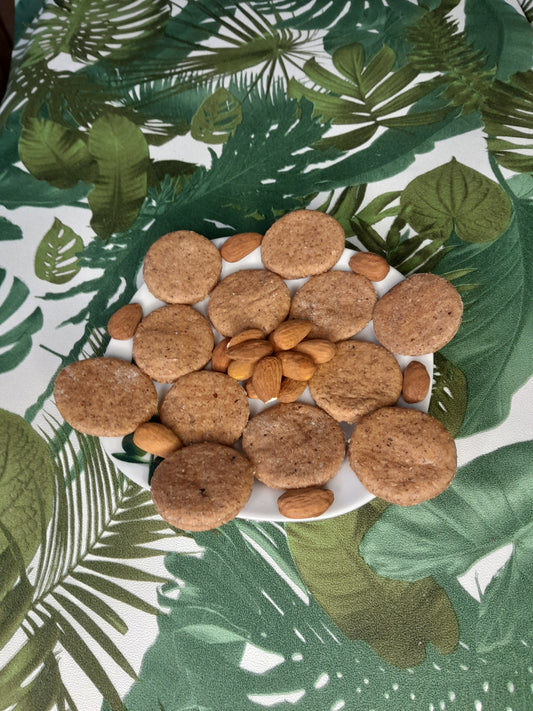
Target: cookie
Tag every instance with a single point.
(419, 315)
(251, 298)
(202, 486)
(361, 377)
(171, 341)
(182, 267)
(302, 243)
(338, 303)
(205, 406)
(294, 445)
(404, 456)
(104, 397)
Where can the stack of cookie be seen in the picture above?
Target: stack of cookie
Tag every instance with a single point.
(258, 342)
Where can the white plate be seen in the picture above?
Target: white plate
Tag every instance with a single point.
(349, 493)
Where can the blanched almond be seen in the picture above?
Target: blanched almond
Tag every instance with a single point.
(266, 378)
(372, 266)
(219, 358)
(320, 350)
(291, 390)
(289, 333)
(296, 366)
(241, 369)
(240, 245)
(156, 439)
(123, 323)
(416, 382)
(305, 503)
(252, 350)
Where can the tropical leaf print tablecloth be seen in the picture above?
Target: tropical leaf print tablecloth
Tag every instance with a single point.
(411, 123)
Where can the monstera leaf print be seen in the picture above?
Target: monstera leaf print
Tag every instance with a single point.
(56, 258)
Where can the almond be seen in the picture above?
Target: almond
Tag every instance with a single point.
(416, 382)
(320, 350)
(308, 502)
(290, 333)
(247, 335)
(252, 350)
(372, 266)
(241, 369)
(291, 390)
(250, 390)
(123, 323)
(296, 366)
(156, 439)
(266, 379)
(219, 358)
(240, 245)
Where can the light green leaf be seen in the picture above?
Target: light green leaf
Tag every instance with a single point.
(454, 195)
(217, 117)
(56, 258)
(54, 153)
(397, 619)
(8, 230)
(449, 394)
(121, 153)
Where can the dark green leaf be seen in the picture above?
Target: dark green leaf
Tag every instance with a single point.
(56, 259)
(217, 117)
(9, 231)
(449, 394)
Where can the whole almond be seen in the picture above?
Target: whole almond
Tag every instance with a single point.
(123, 323)
(240, 245)
(248, 335)
(416, 382)
(308, 502)
(372, 266)
(252, 350)
(320, 350)
(290, 333)
(250, 390)
(156, 439)
(219, 358)
(266, 378)
(241, 369)
(296, 366)
(291, 390)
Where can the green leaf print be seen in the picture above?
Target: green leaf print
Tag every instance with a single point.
(488, 505)
(454, 196)
(55, 153)
(121, 153)
(16, 340)
(9, 231)
(56, 258)
(449, 394)
(397, 619)
(217, 117)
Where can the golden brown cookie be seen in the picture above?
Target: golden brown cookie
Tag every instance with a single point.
(205, 406)
(171, 341)
(402, 455)
(104, 397)
(338, 303)
(251, 298)
(293, 445)
(360, 377)
(182, 267)
(302, 243)
(202, 486)
(419, 315)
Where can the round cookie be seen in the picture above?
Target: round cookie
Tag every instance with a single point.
(302, 243)
(338, 303)
(404, 456)
(251, 298)
(419, 315)
(202, 486)
(104, 397)
(294, 445)
(182, 267)
(205, 406)
(361, 377)
(171, 341)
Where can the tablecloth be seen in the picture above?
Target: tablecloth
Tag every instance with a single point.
(411, 123)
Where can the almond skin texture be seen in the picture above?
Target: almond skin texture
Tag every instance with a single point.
(372, 266)
(320, 350)
(291, 390)
(289, 333)
(250, 390)
(240, 245)
(305, 503)
(416, 382)
(296, 366)
(123, 323)
(156, 439)
(247, 335)
(241, 369)
(252, 350)
(220, 359)
(266, 379)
